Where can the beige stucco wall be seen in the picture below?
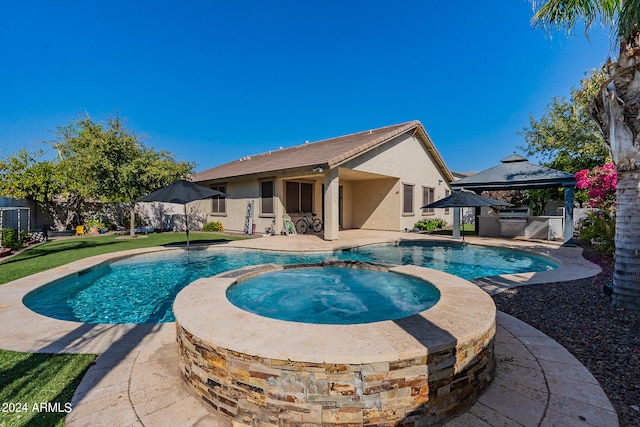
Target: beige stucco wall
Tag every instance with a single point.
(375, 204)
(240, 194)
(243, 191)
(407, 160)
(348, 203)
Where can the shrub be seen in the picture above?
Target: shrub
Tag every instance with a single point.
(600, 183)
(12, 239)
(96, 223)
(213, 226)
(600, 229)
(430, 224)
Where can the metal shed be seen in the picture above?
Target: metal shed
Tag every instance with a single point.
(516, 173)
(17, 218)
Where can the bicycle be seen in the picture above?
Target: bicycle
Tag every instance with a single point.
(305, 223)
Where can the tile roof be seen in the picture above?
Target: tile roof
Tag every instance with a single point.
(327, 153)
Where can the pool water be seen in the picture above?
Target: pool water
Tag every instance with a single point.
(333, 295)
(142, 288)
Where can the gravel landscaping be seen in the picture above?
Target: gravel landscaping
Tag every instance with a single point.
(579, 316)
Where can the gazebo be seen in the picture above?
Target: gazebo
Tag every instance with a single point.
(517, 173)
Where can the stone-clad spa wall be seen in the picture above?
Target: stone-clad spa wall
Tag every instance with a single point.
(415, 371)
(413, 392)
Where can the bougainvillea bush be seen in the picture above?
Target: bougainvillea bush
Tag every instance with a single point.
(600, 185)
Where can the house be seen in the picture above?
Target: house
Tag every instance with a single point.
(377, 179)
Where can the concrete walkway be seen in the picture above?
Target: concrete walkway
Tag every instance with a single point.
(135, 380)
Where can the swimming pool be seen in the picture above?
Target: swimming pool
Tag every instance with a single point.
(333, 295)
(142, 288)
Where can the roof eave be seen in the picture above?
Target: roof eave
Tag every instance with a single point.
(308, 170)
(502, 185)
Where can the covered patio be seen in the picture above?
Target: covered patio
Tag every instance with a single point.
(517, 173)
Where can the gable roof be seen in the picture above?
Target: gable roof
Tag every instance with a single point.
(515, 171)
(328, 153)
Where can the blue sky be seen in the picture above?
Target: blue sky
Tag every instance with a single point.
(214, 81)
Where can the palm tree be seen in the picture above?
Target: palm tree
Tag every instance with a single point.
(616, 110)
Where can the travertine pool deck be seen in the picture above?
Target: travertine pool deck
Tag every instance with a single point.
(135, 380)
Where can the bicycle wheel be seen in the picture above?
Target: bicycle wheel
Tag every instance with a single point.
(302, 226)
(317, 225)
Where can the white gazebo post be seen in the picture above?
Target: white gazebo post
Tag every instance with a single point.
(568, 214)
(456, 223)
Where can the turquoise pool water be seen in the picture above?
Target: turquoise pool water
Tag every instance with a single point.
(141, 289)
(333, 295)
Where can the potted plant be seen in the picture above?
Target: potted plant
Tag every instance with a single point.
(95, 225)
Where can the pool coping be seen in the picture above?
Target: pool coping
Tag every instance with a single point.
(136, 380)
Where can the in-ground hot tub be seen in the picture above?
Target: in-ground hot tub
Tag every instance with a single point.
(416, 370)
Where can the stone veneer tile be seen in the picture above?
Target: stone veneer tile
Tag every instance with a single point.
(342, 416)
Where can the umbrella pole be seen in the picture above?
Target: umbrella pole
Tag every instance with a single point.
(186, 225)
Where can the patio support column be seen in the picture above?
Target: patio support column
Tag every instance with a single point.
(456, 223)
(331, 200)
(568, 215)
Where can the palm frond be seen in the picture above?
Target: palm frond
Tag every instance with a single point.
(629, 20)
(566, 14)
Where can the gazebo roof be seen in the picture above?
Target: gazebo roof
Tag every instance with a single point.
(515, 172)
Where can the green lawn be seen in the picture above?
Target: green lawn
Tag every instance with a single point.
(31, 381)
(60, 252)
(28, 379)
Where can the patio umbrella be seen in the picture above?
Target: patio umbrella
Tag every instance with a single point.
(465, 199)
(182, 192)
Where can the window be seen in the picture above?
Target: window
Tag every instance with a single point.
(427, 197)
(299, 197)
(407, 199)
(219, 205)
(266, 197)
